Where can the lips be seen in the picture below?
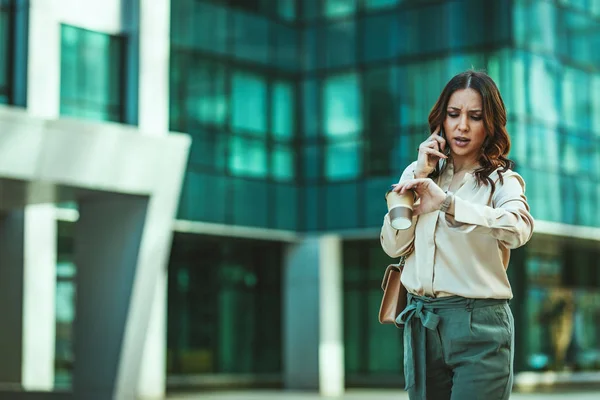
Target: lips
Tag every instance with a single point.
(461, 142)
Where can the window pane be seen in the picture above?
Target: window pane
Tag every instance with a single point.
(342, 105)
(285, 51)
(382, 39)
(248, 157)
(251, 37)
(309, 51)
(340, 44)
(338, 8)
(250, 204)
(310, 108)
(342, 206)
(249, 103)
(208, 149)
(373, 4)
(91, 74)
(343, 161)
(199, 25)
(208, 286)
(286, 9)
(283, 103)
(595, 104)
(282, 163)
(204, 88)
(286, 199)
(576, 99)
(312, 162)
(310, 9)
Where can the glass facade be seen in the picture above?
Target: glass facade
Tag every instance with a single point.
(92, 70)
(66, 292)
(234, 90)
(294, 105)
(224, 306)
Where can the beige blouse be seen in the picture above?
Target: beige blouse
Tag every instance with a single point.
(466, 254)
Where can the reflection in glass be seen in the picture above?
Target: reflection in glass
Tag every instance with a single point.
(343, 160)
(339, 44)
(250, 36)
(249, 102)
(282, 163)
(248, 157)
(339, 8)
(342, 105)
(204, 91)
(283, 103)
(91, 74)
(224, 306)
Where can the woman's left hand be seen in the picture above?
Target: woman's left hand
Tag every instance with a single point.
(431, 195)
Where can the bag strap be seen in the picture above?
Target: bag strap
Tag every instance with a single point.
(392, 267)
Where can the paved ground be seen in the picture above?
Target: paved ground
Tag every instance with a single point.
(363, 395)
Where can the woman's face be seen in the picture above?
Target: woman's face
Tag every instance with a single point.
(463, 125)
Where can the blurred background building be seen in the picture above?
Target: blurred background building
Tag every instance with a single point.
(302, 113)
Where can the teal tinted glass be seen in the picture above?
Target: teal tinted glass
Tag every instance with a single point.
(339, 44)
(249, 102)
(283, 103)
(204, 91)
(250, 36)
(310, 108)
(376, 4)
(286, 9)
(247, 157)
(199, 25)
(284, 51)
(224, 306)
(343, 160)
(282, 163)
(382, 37)
(342, 105)
(91, 74)
(339, 8)
(370, 348)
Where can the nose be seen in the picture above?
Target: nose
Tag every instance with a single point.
(463, 123)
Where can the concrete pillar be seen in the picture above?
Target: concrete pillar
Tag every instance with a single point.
(331, 328)
(107, 243)
(313, 324)
(43, 100)
(154, 46)
(39, 297)
(27, 292)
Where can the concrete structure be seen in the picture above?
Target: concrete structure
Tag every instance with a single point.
(126, 204)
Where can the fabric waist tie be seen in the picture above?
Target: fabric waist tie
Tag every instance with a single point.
(424, 309)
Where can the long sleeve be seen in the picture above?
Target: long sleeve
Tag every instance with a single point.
(509, 221)
(396, 243)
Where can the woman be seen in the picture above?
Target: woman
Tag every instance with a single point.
(470, 212)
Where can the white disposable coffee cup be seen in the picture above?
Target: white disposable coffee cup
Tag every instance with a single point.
(400, 209)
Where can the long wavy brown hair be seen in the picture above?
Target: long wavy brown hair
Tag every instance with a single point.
(497, 142)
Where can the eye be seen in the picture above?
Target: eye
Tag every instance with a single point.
(477, 117)
(452, 115)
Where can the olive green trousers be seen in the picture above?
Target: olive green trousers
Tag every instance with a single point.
(457, 348)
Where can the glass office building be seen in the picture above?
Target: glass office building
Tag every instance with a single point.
(303, 112)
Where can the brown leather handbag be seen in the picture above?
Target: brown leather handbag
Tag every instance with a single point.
(394, 294)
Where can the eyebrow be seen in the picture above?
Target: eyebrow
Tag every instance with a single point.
(457, 108)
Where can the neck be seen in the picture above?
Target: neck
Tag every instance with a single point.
(461, 164)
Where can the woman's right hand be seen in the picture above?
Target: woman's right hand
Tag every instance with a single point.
(430, 152)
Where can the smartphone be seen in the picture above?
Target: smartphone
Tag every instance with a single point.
(443, 134)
